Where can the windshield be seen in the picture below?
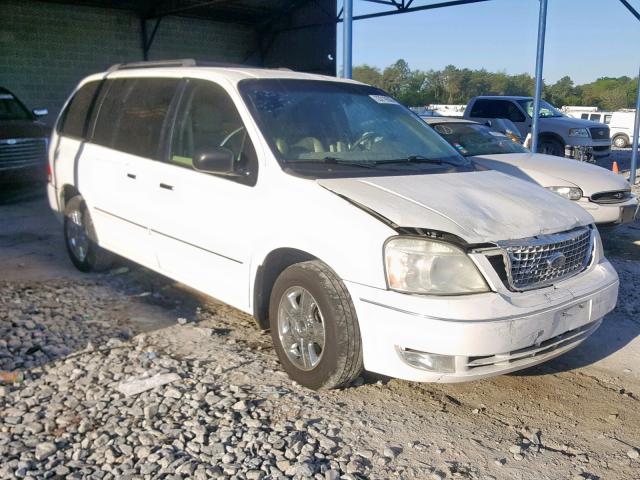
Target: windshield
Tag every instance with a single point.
(11, 108)
(546, 109)
(324, 126)
(472, 139)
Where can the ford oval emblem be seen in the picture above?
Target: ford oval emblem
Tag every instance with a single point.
(556, 261)
(12, 141)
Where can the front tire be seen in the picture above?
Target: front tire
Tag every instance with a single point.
(81, 240)
(549, 146)
(314, 327)
(620, 141)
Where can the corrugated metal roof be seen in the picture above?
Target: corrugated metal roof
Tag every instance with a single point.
(250, 12)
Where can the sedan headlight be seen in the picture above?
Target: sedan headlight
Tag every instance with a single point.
(417, 265)
(579, 132)
(571, 193)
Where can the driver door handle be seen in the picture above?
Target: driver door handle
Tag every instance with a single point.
(166, 186)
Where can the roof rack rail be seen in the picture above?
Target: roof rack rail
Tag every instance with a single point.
(184, 62)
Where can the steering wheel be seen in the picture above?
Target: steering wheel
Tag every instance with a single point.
(365, 137)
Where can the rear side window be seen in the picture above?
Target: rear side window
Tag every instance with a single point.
(133, 114)
(74, 120)
(497, 109)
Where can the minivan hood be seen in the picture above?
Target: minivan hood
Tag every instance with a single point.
(23, 129)
(479, 207)
(550, 171)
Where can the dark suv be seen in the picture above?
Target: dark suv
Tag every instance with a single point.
(23, 140)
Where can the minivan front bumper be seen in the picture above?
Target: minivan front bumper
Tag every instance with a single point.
(486, 334)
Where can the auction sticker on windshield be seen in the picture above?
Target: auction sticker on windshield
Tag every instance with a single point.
(384, 99)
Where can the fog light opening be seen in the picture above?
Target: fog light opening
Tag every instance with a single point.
(431, 362)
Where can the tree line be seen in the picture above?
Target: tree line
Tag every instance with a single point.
(454, 85)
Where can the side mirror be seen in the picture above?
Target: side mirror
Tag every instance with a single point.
(40, 112)
(488, 123)
(217, 160)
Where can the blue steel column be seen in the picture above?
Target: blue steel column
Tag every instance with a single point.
(636, 131)
(347, 38)
(542, 26)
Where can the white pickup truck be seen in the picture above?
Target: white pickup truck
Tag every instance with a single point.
(557, 131)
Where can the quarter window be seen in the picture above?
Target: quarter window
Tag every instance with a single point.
(75, 119)
(207, 119)
(133, 114)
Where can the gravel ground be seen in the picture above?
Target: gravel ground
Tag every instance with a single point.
(230, 412)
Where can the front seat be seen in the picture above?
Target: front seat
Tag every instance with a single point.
(309, 144)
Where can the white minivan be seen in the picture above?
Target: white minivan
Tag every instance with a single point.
(331, 213)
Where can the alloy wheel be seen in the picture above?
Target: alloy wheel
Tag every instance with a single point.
(301, 328)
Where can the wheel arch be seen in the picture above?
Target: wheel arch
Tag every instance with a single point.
(274, 263)
(551, 136)
(623, 135)
(67, 192)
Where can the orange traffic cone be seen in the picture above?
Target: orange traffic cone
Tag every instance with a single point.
(615, 168)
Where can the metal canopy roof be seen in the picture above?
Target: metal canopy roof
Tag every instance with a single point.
(265, 15)
(248, 12)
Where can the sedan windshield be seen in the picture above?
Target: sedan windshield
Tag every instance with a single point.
(472, 139)
(11, 108)
(314, 127)
(546, 109)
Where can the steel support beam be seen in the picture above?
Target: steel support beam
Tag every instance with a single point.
(633, 11)
(147, 41)
(407, 9)
(636, 132)
(347, 38)
(542, 27)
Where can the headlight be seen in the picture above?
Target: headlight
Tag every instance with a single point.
(571, 193)
(417, 265)
(579, 132)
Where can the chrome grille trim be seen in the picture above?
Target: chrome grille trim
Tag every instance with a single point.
(546, 259)
(19, 152)
(599, 133)
(615, 196)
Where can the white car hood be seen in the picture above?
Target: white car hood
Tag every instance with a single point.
(479, 207)
(550, 171)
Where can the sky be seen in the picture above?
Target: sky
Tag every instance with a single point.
(586, 39)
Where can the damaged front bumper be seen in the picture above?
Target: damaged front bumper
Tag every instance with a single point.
(612, 213)
(462, 338)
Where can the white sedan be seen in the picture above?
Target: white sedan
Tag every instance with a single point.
(605, 195)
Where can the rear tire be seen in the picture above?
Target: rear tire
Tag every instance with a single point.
(550, 146)
(314, 327)
(620, 141)
(81, 240)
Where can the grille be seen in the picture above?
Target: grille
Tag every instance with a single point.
(540, 261)
(600, 133)
(611, 197)
(22, 152)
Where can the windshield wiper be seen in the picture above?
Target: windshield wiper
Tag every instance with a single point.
(418, 159)
(336, 161)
